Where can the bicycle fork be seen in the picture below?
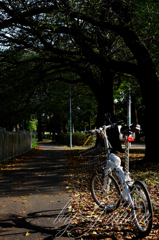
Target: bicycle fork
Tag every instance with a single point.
(107, 181)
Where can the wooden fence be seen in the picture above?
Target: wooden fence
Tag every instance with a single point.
(13, 143)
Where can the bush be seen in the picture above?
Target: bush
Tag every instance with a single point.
(35, 136)
(44, 136)
(78, 139)
(48, 136)
(34, 143)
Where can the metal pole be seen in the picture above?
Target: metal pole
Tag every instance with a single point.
(70, 117)
(129, 109)
(128, 144)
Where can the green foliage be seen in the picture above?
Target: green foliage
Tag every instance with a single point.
(54, 106)
(78, 139)
(47, 136)
(34, 136)
(32, 125)
(72, 41)
(121, 94)
(44, 136)
(34, 143)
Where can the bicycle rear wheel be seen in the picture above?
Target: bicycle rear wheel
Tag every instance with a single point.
(105, 196)
(142, 212)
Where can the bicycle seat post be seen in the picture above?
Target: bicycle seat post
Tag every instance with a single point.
(126, 157)
(127, 145)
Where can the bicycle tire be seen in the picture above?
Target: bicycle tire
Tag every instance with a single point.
(109, 197)
(143, 214)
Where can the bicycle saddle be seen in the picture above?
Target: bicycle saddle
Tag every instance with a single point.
(133, 128)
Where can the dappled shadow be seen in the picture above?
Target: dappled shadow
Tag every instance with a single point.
(139, 170)
(34, 225)
(44, 171)
(32, 194)
(34, 216)
(37, 225)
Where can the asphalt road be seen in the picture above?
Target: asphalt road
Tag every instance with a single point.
(33, 195)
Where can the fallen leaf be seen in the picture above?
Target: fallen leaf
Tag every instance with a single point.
(27, 234)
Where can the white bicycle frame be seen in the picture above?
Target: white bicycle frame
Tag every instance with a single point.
(131, 190)
(123, 176)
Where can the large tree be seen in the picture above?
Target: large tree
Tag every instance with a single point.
(48, 29)
(93, 39)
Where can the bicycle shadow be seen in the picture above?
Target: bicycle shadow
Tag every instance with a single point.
(24, 226)
(13, 226)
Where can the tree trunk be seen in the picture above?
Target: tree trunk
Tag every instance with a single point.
(105, 99)
(133, 110)
(89, 120)
(65, 128)
(39, 128)
(147, 73)
(150, 91)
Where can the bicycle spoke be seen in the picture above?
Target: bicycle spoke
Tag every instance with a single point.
(105, 196)
(142, 208)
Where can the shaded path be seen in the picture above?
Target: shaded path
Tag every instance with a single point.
(32, 196)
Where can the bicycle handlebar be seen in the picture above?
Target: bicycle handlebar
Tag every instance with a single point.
(114, 124)
(93, 131)
(104, 127)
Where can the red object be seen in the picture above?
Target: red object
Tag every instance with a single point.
(130, 139)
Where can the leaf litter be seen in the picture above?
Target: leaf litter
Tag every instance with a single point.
(89, 221)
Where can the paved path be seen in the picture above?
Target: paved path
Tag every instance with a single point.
(135, 145)
(32, 196)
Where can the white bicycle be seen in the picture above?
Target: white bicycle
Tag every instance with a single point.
(107, 192)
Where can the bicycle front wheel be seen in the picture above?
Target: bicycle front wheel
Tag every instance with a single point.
(142, 212)
(105, 191)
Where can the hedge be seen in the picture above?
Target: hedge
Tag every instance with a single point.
(78, 139)
(48, 136)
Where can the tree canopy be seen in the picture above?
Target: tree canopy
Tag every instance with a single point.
(97, 42)
(89, 38)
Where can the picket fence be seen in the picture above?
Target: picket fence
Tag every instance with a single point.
(13, 143)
